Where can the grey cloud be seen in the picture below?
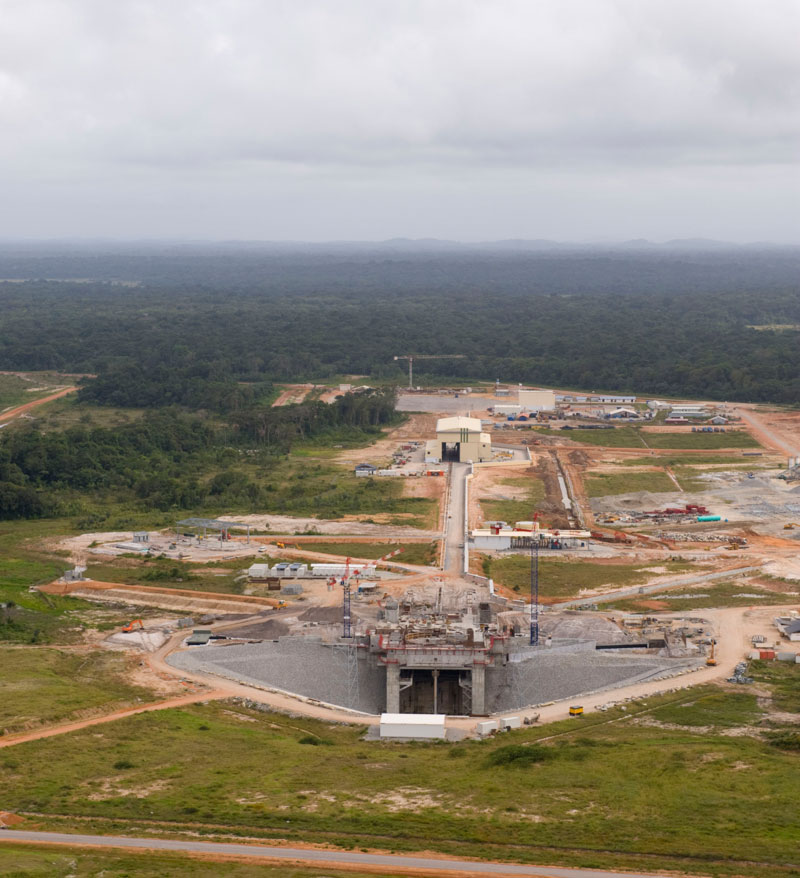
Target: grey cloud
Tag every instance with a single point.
(125, 104)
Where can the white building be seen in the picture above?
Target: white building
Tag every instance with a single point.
(689, 411)
(614, 400)
(537, 400)
(412, 725)
(461, 439)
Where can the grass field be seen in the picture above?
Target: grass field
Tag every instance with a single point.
(607, 484)
(700, 460)
(567, 578)
(31, 616)
(633, 437)
(162, 573)
(16, 391)
(299, 486)
(600, 792)
(783, 680)
(66, 412)
(48, 685)
(516, 509)
(710, 594)
(412, 553)
(731, 439)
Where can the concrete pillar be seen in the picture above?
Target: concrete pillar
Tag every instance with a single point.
(478, 690)
(392, 688)
(435, 675)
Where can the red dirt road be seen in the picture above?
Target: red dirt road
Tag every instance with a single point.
(21, 409)
(51, 731)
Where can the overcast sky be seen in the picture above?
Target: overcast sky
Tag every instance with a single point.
(369, 119)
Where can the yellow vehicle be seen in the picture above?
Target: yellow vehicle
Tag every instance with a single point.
(576, 710)
(281, 545)
(711, 661)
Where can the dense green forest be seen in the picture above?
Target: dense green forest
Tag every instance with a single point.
(174, 460)
(213, 328)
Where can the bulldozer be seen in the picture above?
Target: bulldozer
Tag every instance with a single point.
(131, 626)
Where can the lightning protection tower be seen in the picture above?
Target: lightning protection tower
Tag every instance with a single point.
(534, 589)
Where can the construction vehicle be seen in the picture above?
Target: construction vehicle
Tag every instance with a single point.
(791, 525)
(711, 661)
(281, 545)
(576, 710)
(131, 626)
(736, 543)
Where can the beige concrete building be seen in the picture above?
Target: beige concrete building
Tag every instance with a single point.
(461, 439)
(537, 400)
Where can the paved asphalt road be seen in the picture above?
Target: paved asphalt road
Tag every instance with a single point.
(454, 528)
(430, 864)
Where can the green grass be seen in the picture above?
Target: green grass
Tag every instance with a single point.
(607, 484)
(25, 861)
(35, 617)
(49, 685)
(731, 439)
(299, 487)
(568, 578)
(16, 391)
(163, 573)
(516, 509)
(605, 792)
(699, 460)
(783, 679)
(412, 553)
(66, 412)
(719, 709)
(619, 437)
(716, 594)
(633, 437)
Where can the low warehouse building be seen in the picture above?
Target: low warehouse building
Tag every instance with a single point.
(412, 725)
(461, 439)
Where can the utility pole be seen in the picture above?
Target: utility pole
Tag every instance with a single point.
(412, 357)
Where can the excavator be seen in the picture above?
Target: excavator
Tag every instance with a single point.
(131, 626)
(711, 661)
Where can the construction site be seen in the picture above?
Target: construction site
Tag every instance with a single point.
(357, 637)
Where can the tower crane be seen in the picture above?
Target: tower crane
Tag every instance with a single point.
(412, 357)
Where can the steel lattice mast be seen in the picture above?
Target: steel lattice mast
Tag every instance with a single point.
(534, 589)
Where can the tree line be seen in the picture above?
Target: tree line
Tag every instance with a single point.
(161, 461)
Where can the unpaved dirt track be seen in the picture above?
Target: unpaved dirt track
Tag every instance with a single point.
(294, 393)
(766, 436)
(374, 862)
(180, 701)
(21, 409)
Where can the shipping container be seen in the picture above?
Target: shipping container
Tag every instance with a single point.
(709, 518)
(766, 654)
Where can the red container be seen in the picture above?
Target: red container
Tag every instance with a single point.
(766, 654)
